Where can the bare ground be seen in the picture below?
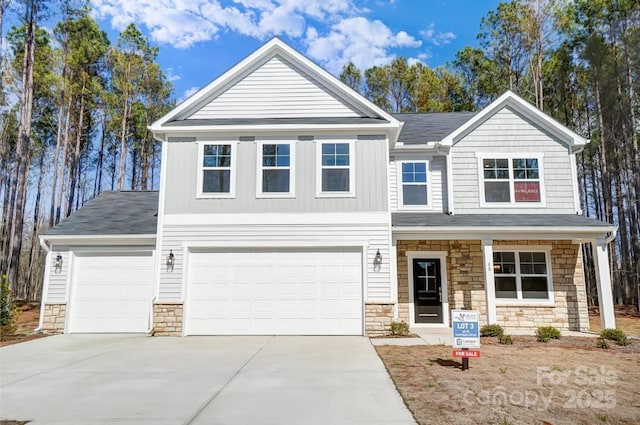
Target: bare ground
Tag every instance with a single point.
(569, 381)
(26, 324)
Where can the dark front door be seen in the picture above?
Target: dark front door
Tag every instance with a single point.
(427, 290)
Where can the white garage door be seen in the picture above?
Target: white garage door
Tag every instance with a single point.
(274, 293)
(111, 293)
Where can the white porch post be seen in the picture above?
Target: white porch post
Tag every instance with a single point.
(489, 280)
(603, 281)
(393, 278)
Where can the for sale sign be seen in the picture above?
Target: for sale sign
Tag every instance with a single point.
(466, 328)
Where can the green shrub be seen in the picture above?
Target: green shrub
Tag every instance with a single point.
(547, 333)
(616, 335)
(8, 308)
(399, 328)
(491, 330)
(602, 343)
(505, 339)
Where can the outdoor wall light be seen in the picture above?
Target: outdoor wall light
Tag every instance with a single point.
(58, 263)
(171, 259)
(377, 260)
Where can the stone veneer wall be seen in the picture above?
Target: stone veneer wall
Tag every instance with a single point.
(167, 320)
(378, 318)
(465, 275)
(54, 317)
(569, 311)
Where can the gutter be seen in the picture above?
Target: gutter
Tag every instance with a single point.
(502, 229)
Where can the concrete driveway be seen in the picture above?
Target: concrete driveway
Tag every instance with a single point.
(137, 380)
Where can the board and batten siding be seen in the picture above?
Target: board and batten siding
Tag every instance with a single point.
(275, 90)
(372, 236)
(437, 185)
(57, 280)
(509, 132)
(370, 180)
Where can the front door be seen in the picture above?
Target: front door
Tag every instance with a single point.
(427, 290)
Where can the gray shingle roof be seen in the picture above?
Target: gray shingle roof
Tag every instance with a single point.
(275, 121)
(430, 127)
(113, 213)
(494, 220)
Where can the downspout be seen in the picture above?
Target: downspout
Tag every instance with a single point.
(45, 284)
(611, 237)
(441, 150)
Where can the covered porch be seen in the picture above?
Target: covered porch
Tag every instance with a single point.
(520, 272)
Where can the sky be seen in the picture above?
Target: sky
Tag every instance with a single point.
(201, 39)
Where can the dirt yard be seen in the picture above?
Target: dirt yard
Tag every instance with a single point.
(627, 319)
(25, 325)
(567, 381)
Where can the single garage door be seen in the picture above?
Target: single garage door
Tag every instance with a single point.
(274, 293)
(111, 292)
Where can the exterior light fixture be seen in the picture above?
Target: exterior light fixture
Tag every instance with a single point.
(377, 260)
(171, 259)
(58, 263)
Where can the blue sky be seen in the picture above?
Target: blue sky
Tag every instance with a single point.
(200, 39)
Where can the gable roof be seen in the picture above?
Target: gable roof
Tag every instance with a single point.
(518, 104)
(112, 213)
(423, 128)
(250, 75)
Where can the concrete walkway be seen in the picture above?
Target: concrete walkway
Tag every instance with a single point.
(137, 380)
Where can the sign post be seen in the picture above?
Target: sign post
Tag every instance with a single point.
(465, 325)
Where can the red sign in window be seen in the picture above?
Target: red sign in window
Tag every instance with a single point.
(527, 191)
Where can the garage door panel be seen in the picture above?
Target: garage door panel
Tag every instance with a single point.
(275, 293)
(111, 293)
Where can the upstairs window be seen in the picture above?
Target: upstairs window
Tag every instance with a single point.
(521, 275)
(276, 169)
(336, 169)
(415, 189)
(216, 170)
(511, 180)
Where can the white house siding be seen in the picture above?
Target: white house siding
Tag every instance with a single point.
(509, 132)
(370, 180)
(57, 280)
(438, 175)
(370, 231)
(275, 90)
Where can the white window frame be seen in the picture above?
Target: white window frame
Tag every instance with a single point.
(400, 184)
(510, 157)
(529, 301)
(352, 170)
(201, 168)
(260, 169)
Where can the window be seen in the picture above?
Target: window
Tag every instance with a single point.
(276, 166)
(216, 175)
(415, 191)
(336, 169)
(521, 275)
(511, 180)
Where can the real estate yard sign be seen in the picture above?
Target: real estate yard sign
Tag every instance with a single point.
(466, 329)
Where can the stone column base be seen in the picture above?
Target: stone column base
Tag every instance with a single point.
(167, 320)
(378, 318)
(54, 316)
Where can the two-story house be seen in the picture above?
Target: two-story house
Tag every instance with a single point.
(290, 204)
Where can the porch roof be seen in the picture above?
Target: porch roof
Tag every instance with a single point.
(501, 223)
(498, 220)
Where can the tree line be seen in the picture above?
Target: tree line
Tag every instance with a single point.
(75, 109)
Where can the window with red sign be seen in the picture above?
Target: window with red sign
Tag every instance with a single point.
(515, 180)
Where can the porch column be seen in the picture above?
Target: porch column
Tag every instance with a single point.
(489, 280)
(603, 283)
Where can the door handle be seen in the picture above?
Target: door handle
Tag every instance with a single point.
(440, 294)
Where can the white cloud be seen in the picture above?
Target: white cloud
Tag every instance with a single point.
(333, 31)
(188, 93)
(171, 75)
(437, 38)
(363, 42)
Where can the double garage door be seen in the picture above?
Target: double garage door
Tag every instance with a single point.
(111, 292)
(274, 293)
